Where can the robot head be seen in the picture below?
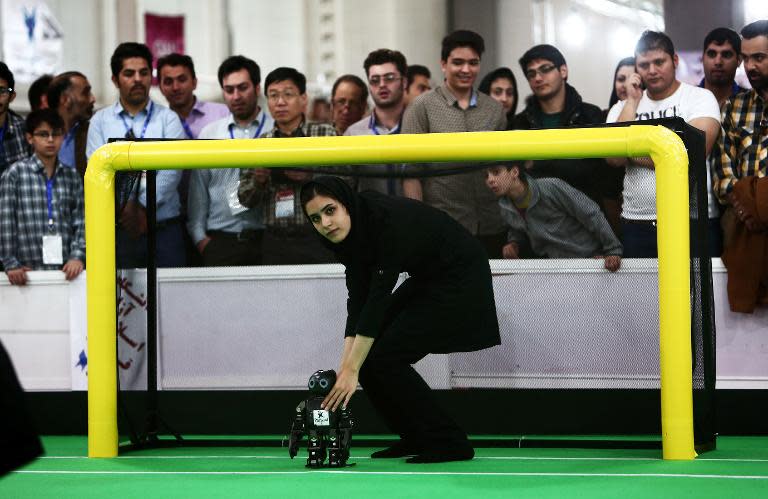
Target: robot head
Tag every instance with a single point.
(321, 382)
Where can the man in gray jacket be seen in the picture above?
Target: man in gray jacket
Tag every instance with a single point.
(556, 219)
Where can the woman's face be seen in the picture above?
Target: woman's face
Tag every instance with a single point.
(330, 218)
(621, 77)
(503, 92)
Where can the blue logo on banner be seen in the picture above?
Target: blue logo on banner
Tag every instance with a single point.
(82, 361)
(30, 21)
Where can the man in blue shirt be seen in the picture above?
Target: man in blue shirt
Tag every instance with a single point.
(70, 94)
(136, 116)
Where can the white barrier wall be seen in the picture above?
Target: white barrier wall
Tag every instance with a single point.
(565, 324)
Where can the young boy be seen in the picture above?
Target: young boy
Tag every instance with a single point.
(557, 220)
(42, 223)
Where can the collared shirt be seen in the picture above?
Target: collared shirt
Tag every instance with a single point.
(67, 151)
(111, 122)
(202, 114)
(24, 214)
(279, 187)
(14, 144)
(742, 149)
(370, 125)
(465, 196)
(212, 193)
(735, 87)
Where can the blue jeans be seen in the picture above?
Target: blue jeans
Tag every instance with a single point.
(639, 240)
(132, 253)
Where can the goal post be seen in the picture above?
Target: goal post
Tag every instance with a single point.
(665, 148)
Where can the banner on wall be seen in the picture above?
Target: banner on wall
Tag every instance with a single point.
(164, 35)
(32, 39)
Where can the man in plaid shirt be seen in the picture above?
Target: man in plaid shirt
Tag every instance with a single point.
(742, 150)
(289, 238)
(42, 221)
(13, 145)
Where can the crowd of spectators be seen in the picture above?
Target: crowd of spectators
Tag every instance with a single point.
(541, 209)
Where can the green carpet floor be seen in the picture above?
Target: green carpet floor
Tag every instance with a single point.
(737, 469)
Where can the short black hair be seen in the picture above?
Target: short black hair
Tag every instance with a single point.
(128, 50)
(416, 70)
(485, 84)
(543, 51)
(654, 40)
(462, 38)
(355, 80)
(722, 35)
(36, 118)
(37, 90)
(384, 56)
(237, 62)
(60, 84)
(7, 75)
(755, 29)
(176, 59)
(286, 74)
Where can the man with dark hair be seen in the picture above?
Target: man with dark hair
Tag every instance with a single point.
(455, 106)
(176, 74)
(289, 238)
(71, 96)
(136, 116)
(13, 145)
(665, 97)
(37, 93)
(223, 231)
(42, 221)
(554, 103)
(349, 102)
(418, 82)
(721, 57)
(742, 150)
(385, 70)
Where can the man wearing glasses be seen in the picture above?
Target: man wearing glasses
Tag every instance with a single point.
(289, 238)
(13, 145)
(349, 102)
(136, 116)
(385, 70)
(455, 106)
(556, 104)
(42, 220)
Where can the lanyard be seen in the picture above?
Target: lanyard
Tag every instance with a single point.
(187, 130)
(258, 130)
(372, 126)
(146, 121)
(49, 197)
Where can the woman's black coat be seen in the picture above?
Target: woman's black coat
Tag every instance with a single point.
(447, 303)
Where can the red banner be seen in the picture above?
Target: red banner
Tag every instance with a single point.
(164, 35)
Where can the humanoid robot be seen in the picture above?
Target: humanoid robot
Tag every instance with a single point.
(329, 433)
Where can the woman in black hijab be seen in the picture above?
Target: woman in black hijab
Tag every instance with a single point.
(446, 305)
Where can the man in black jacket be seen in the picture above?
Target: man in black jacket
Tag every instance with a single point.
(555, 104)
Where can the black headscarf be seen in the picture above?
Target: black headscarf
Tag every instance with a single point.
(356, 243)
(487, 81)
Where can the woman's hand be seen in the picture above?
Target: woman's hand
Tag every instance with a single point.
(342, 391)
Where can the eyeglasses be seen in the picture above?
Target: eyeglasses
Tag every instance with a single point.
(542, 70)
(287, 96)
(45, 135)
(6, 90)
(386, 79)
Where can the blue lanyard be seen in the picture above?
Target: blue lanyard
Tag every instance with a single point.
(146, 121)
(187, 130)
(258, 130)
(49, 197)
(372, 126)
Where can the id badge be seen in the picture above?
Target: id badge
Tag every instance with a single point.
(53, 253)
(234, 202)
(321, 418)
(284, 204)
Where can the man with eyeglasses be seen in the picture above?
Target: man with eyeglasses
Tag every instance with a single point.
(555, 104)
(289, 238)
(664, 97)
(224, 231)
(13, 145)
(42, 220)
(349, 102)
(385, 70)
(455, 106)
(136, 116)
(70, 94)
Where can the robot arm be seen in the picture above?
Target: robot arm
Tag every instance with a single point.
(298, 429)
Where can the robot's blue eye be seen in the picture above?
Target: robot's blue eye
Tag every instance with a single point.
(323, 383)
(311, 383)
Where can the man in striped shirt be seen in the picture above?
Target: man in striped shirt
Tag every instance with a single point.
(42, 222)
